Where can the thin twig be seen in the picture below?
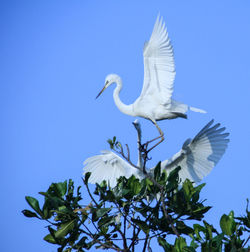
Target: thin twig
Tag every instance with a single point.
(135, 238)
(55, 224)
(124, 224)
(94, 225)
(133, 246)
(125, 246)
(167, 216)
(145, 243)
(246, 241)
(86, 184)
(149, 243)
(114, 247)
(144, 167)
(128, 151)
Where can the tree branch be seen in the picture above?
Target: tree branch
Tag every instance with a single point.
(113, 246)
(145, 243)
(86, 184)
(245, 243)
(135, 238)
(167, 216)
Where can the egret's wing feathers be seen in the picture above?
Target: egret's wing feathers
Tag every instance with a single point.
(107, 166)
(159, 68)
(198, 157)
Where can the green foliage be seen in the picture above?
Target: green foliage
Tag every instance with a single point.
(113, 143)
(135, 212)
(228, 224)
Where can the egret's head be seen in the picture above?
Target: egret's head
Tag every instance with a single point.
(110, 79)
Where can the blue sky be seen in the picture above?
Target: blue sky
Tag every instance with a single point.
(54, 59)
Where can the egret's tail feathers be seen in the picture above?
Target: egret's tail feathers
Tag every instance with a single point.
(197, 110)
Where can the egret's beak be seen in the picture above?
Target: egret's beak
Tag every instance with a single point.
(101, 91)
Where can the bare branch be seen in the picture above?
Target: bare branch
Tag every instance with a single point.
(128, 151)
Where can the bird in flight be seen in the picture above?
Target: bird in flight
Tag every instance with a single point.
(197, 158)
(155, 102)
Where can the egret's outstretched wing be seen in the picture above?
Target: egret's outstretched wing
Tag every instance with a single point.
(107, 166)
(198, 156)
(159, 68)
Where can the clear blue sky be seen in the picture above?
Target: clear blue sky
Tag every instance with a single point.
(54, 59)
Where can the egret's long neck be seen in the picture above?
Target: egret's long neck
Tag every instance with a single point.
(126, 109)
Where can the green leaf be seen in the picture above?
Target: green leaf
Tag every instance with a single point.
(49, 238)
(199, 187)
(61, 188)
(166, 246)
(197, 229)
(123, 192)
(111, 145)
(228, 224)
(209, 230)
(47, 213)
(82, 242)
(106, 221)
(173, 176)
(183, 228)
(164, 177)
(188, 189)
(196, 193)
(143, 226)
(172, 180)
(86, 179)
(180, 244)
(34, 204)
(148, 182)
(134, 185)
(29, 214)
(157, 171)
(65, 229)
(217, 242)
(193, 244)
(102, 211)
(189, 249)
(202, 210)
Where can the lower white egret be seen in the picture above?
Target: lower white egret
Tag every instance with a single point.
(197, 158)
(109, 166)
(155, 101)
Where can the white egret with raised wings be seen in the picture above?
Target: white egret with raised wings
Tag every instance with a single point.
(197, 158)
(155, 101)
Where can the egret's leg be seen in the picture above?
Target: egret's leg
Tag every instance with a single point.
(161, 136)
(144, 146)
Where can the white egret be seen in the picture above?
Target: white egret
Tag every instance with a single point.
(197, 158)
(109, 166)
(155, 101)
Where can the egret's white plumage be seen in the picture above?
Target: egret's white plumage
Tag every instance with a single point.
(197, 158)
(108, 166)
(155, 101)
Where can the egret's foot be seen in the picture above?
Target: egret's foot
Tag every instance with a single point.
(143, 147)
(145, 156)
